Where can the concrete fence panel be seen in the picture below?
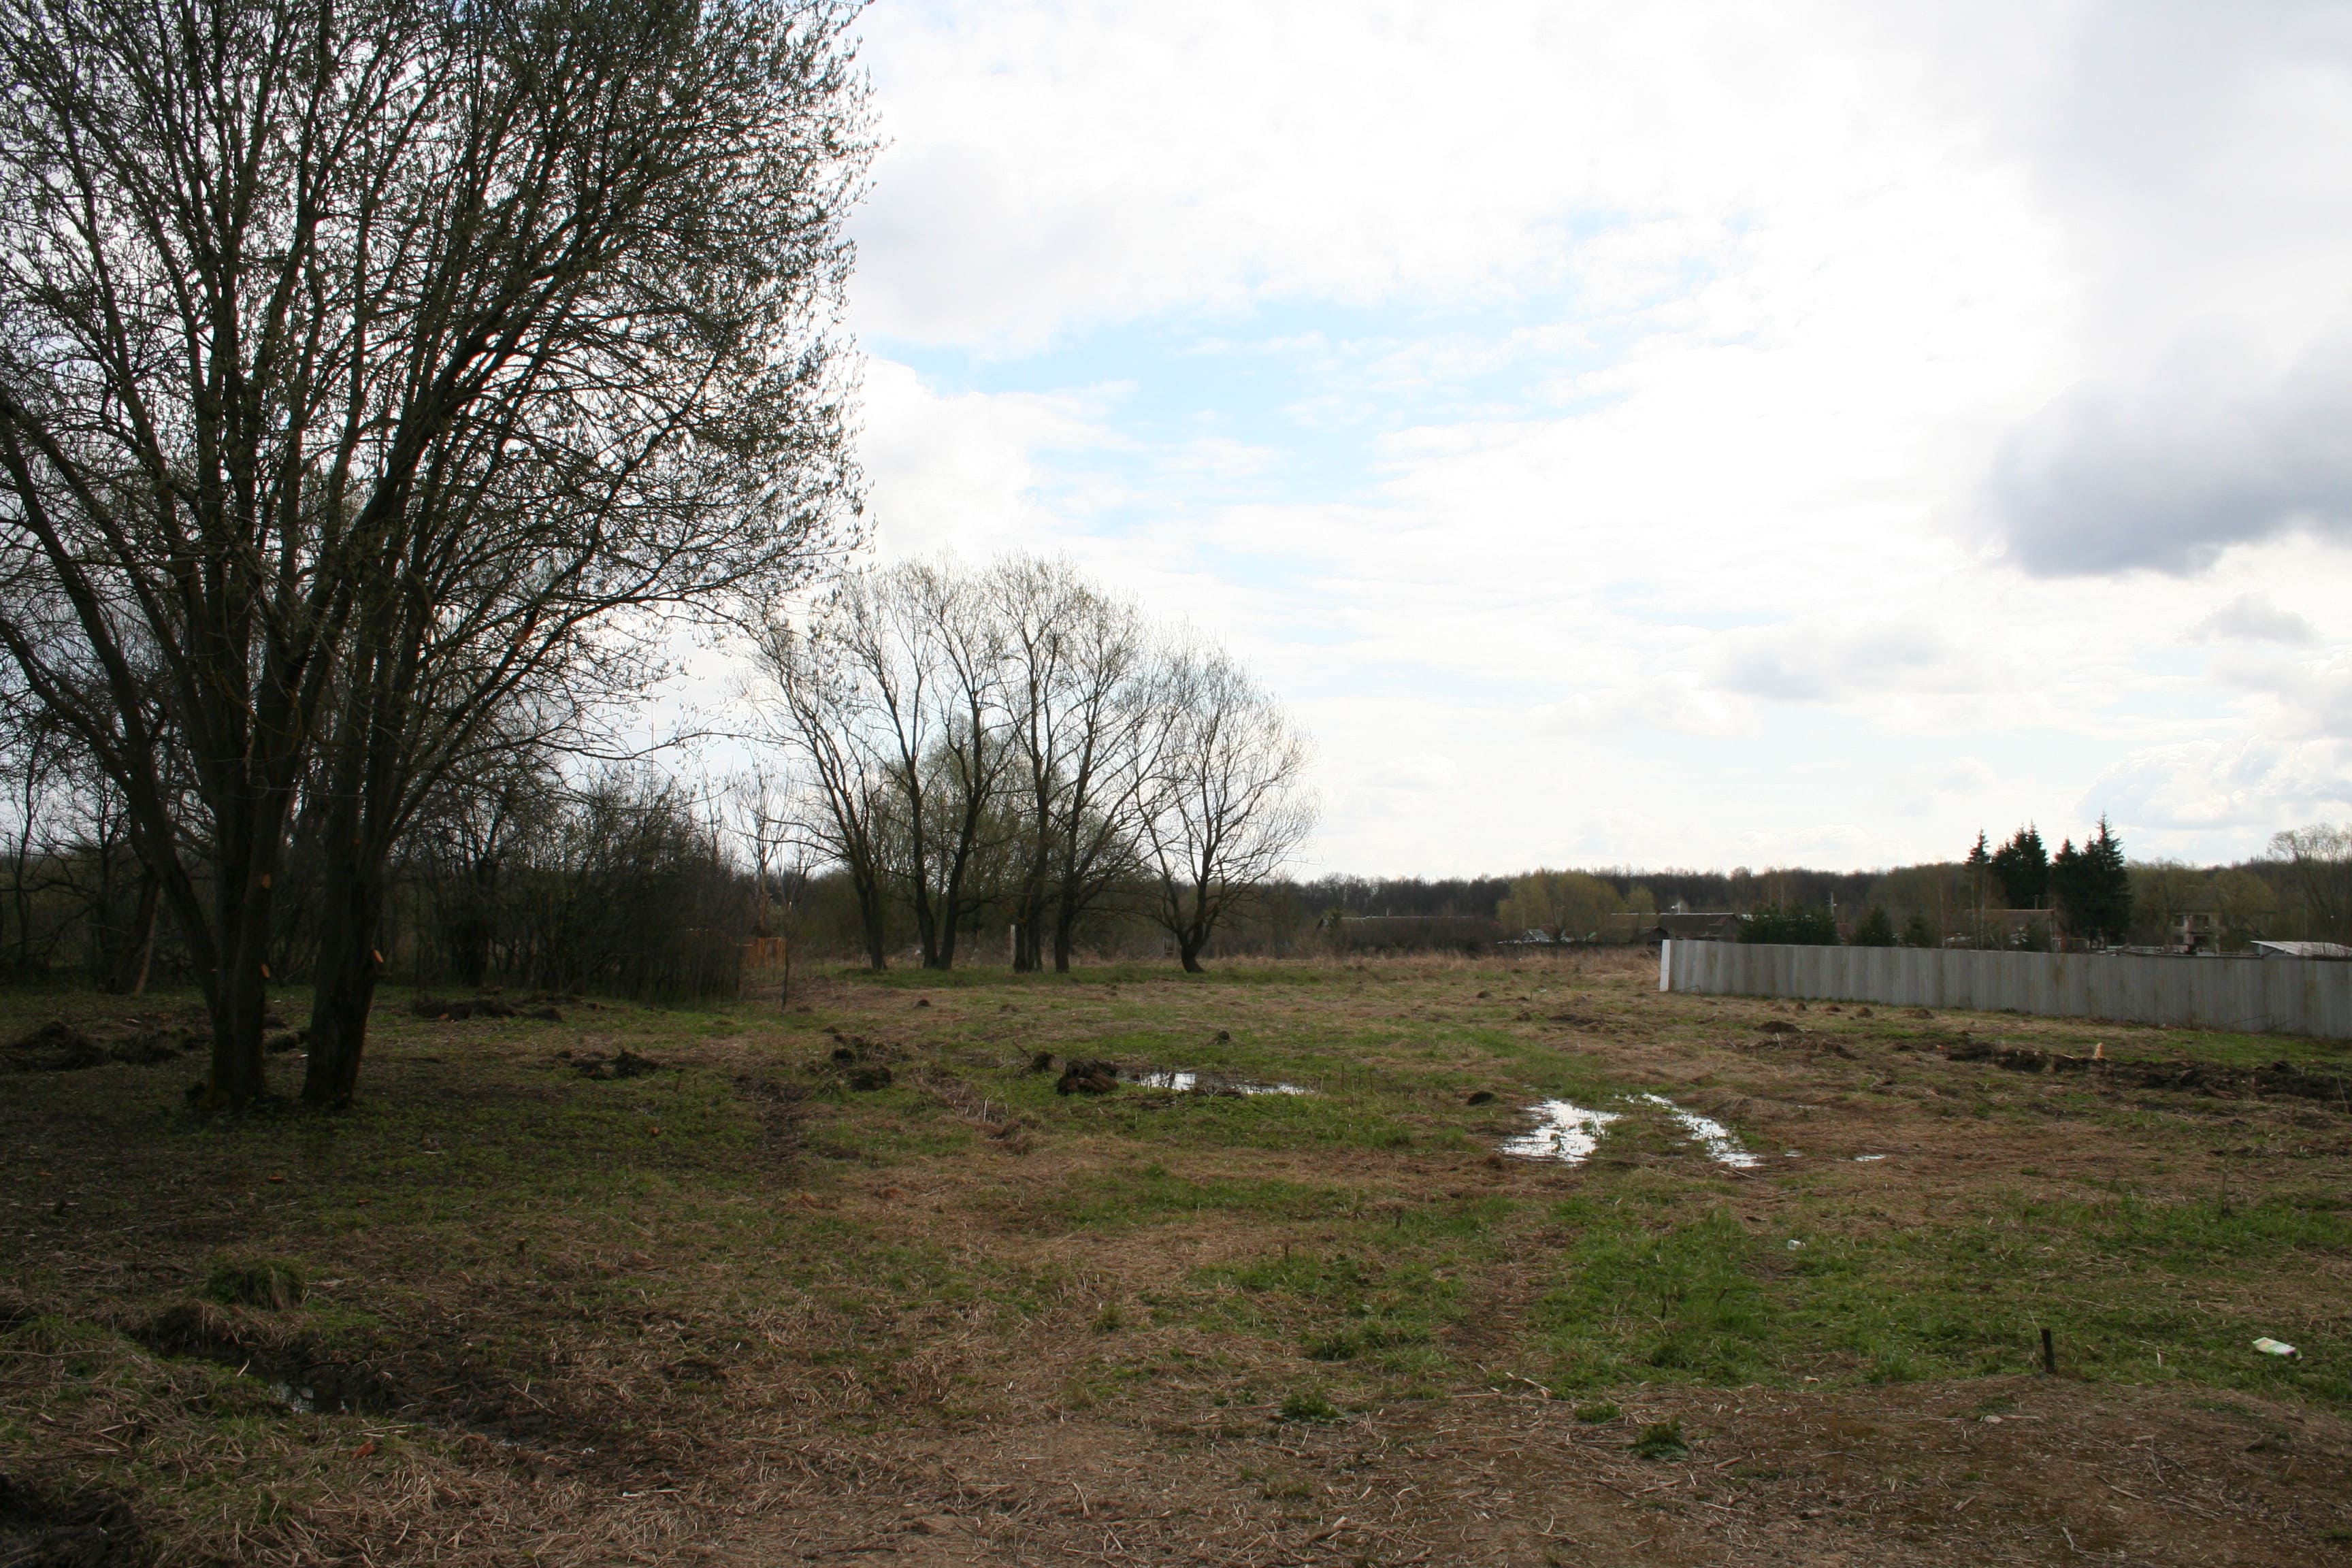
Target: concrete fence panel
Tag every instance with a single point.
(2254, 995)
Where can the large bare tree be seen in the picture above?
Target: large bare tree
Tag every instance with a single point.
(847, 800)
(1226, 798)
(1078, 687)
(893, 695)
(368, 369)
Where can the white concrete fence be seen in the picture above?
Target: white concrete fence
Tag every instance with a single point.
(2255, 996)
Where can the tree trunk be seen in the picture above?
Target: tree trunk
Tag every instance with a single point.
(350, 914)
(339, 1015)
(239, 998)
(132, 976)
(470, 941)
(1188, 948)
(873, 916)
(927, 926)
(940, 949)
(249, 839)
(1068, 908)
(1029, 932)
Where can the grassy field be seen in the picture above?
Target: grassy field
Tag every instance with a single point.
(721, 1305)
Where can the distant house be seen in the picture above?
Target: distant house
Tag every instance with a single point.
(1694, 925)
(2302, 950)
(2197, 930)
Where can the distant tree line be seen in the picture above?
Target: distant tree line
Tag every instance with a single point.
(2016, 894)
(625, 882)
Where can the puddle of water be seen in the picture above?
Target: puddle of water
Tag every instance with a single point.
(1563, 1131)
(1180, 1080)
(1713, 1136)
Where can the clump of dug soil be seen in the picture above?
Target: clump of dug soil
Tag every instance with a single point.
(1088, 1077)
(93, 1529)
(597, 1066)
(55, 1046)
(456, 1010)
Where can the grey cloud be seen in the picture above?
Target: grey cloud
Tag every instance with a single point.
(2252, 617)
(2167, 475)
(1805, 664)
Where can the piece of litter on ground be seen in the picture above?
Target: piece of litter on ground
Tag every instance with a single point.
(1563, 1131)
(1794, 1245)
(2270, 1346)
(1790, 1155)
(1858, 1159)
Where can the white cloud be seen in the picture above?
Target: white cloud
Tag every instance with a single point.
(1564, 391)
(1922, 791)
(1424, 770)
(1677, 701)
(1827, 844)
(1811, 662)
(973, 470)
(2252, 617)
(2249, 788)
(1059, 163)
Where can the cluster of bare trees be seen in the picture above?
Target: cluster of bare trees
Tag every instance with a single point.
(377, 379)
(623, 881)
(1014, 738)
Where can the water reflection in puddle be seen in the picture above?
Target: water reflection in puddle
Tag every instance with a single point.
(1563, 1131)
(1713, 1136)
(1181, 1080)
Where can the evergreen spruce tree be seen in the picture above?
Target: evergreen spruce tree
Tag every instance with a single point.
(2104, 898)
(2022, 865)
(1980, 886)
(1873, 929)
(2065, 887)
(2091, 888)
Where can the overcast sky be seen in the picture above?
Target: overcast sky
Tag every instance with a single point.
(1696, 435)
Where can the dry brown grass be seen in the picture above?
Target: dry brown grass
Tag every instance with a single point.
(735, 1313)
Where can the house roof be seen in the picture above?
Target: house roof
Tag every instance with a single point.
(2303, 949)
